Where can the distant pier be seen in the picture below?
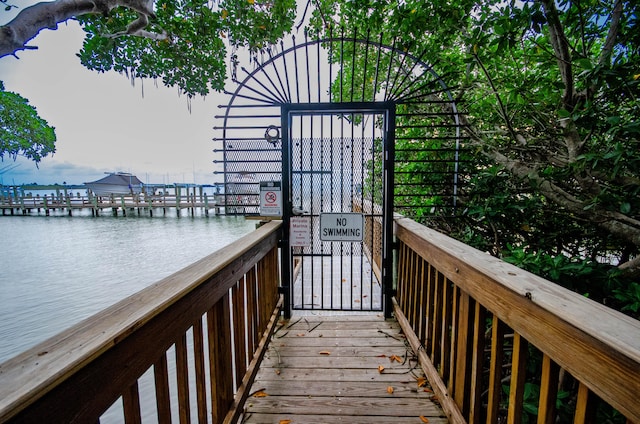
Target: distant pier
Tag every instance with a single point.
(68, 200)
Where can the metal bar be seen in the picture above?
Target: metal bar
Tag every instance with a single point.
(375, 83)
(275, 69)
(286, 70)
(398, 91)
(274, 99)
(286, 259)
(364, 72)
(353, 64)
(295, 66)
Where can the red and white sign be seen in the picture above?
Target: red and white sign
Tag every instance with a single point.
(270, 198)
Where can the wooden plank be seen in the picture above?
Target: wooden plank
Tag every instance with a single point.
(548, 391)
(495, 370)
(239, 329)
(199, 363)
(182, 371)
(518, 371)
(477, 365)
(328, 361)
(285, 386)
(343, 324)
(337, 351)
(277, 418)
(372, 333)
(220, 359)
(131, 405)
(332, 374)
(163, 401)
(328, 341)
(343, 406)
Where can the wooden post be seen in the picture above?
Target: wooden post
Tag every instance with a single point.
(177, 199)
(206, 205)
(46, 205)
(124, 209)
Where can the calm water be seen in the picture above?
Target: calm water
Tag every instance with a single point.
(56, 271)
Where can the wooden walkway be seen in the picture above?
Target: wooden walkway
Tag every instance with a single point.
(341, 369)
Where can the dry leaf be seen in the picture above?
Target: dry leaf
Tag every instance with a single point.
(421, 381)
(356, 301)
(424, 419)
(277, 372)
(325, 352)
(380, 369)
(428, 390)
(300, 335)
(395, 358)
(260, 393)
(285, 421)
(390, 390)
(382, 356)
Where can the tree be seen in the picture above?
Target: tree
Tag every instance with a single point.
(179, 42)
(22, 131)
(551, 91)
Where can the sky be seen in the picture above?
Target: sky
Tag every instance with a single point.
(104, 123)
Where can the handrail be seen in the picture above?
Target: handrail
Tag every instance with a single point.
(215, 314)
(466, 309)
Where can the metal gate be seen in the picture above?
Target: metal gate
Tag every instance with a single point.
(337, 190)
(317, 120)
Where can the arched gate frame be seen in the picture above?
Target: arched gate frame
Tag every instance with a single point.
(309, 135)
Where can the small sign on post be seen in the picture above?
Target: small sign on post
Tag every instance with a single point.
(300, 231)
(270, 198)
(341, 226)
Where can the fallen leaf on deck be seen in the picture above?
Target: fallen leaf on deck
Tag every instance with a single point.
(325, 352)
(285, 421)
(382, 356)
(428, 390)
(390, 390)
(344, 280)
(395, 358)
(380, 369)
(300, 335)
(277, 372)
(422, 381)
(260, 393)
(356, 301)
(424, 419)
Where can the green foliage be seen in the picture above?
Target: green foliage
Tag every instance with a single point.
(553, 151)
(193, 54)
(22, 131)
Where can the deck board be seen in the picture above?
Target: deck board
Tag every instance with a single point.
(325, 369)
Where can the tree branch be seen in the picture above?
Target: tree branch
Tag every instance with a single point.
(560, 46)
(15, 35)
(612, 35)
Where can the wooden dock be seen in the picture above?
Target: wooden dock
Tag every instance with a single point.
(139, 204)
(341, 369)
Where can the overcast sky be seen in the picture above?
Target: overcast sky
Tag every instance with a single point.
(103, 123)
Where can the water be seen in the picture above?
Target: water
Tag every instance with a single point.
(56, 271)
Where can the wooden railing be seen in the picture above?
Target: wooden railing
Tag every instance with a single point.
(500, 342)
(187, 345)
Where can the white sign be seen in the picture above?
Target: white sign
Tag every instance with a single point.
(270, 198)
(300, 231)
(341, 226)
